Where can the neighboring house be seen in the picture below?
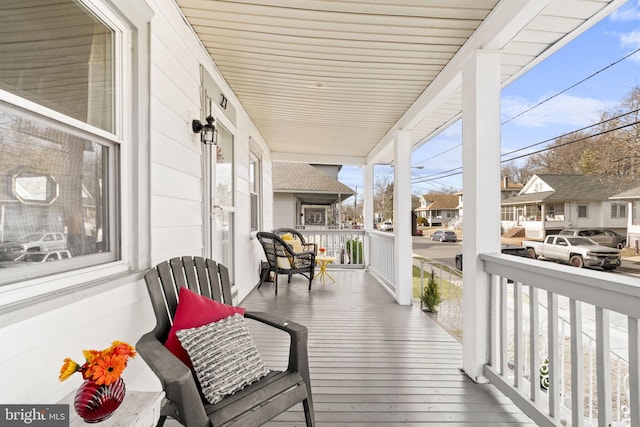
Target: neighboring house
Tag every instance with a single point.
(549, 203)
(632, 197)
(438, 208)
(306, 196)
(507, 190)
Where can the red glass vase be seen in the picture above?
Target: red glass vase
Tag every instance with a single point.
(95, 403)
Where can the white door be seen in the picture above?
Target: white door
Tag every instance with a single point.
(218, 176)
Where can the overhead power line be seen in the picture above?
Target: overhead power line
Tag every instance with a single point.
(458, 170)
(548, 99)
(571, 87)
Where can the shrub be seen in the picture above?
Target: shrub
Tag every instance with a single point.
(430, 296)
(354, 251)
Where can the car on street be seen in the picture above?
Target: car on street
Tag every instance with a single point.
(577, 251)
(32, 257)
(600, 236)
(386, 226)
(33, 242)
(509, 250)
(444, 236)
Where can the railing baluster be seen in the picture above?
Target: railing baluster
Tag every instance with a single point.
(494, 301)
(634, 371)
(517, 334)
(577, 364)
(534, 345)
(554, 360)
(503, 326)
(603, 366)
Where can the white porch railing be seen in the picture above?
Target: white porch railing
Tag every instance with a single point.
(381, 258)
(345, 246)
(580, 390)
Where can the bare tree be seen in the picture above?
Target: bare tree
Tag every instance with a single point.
(518, 173)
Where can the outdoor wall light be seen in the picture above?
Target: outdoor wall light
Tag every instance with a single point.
(208, 133)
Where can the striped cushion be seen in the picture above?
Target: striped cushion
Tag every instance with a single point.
(224, 356)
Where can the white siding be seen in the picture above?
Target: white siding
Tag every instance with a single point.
(43, 333)
(284, 210)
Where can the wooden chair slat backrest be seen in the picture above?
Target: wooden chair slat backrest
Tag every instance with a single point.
(168, 289)
(203, 277)
(200, 275)
(226, 283)
(214, 281)
(187, 266)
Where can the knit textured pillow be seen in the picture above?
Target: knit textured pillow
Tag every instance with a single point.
(224, 356)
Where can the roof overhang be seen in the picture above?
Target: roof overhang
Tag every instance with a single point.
(332, 82)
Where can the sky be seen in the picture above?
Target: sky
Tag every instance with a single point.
(603, 44)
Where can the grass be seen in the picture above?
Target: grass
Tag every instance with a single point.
(445, 290)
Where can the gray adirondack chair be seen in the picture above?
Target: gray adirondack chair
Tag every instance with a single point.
(255, 404)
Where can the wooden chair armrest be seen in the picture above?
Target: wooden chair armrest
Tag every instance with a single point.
(176, 378)
(298, 360)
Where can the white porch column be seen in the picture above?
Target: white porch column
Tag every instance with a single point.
(367, 209)
(481, 193)
(367, 198)
(402, 218)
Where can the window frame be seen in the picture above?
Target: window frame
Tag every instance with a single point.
(126, 22)
(586, 211)
(255, 158)
(618, 210)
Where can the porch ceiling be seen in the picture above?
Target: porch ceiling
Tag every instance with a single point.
(332, 80)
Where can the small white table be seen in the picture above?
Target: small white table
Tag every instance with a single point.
(138, 409)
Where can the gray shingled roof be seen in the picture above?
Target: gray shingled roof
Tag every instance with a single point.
(633, 193)
(583, 188)
(301, 177)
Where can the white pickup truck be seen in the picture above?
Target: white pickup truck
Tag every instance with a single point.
(577, 251)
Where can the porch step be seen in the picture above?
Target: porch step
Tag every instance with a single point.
(514, 232)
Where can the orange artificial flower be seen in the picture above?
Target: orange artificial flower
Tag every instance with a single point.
(68, 368)
(108, 369)
(91, 355)
(122, 349)
(104, 367)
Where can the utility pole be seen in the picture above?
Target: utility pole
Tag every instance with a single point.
(355, 206)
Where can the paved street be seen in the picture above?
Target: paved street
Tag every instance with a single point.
(446, 252)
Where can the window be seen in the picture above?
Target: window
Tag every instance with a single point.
(583, 211)
(555, 212)
(507, 213)
(532, 212)
(618, 211)
(254, 191)
(58, 176)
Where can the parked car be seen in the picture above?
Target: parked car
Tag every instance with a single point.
(509, 250)
(434, 220)
(444, 236)
(600, 236)
(33, 242)
(33, 257)
(386, 226)
(577, 251)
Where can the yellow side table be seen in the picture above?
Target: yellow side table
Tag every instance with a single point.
(323, 261)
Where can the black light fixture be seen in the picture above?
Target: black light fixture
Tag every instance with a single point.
(208, 133)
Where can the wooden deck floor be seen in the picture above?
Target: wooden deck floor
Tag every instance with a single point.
(374, 362)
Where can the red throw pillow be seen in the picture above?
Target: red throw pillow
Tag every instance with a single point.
(193, 311)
